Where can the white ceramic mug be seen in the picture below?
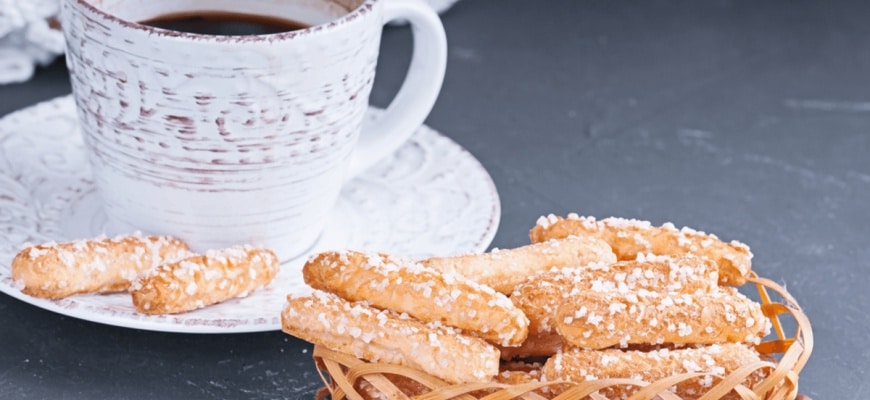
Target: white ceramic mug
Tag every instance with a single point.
(224, 140)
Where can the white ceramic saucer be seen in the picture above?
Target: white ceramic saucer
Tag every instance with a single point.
(431, 198)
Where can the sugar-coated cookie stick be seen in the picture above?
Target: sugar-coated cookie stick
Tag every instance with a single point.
(630, 237)
(504, 269)
(519, 372)
(599, 320)
(385, 336)
(56, 270)
(578, 365)
(429, 295)
(540, 295)
(202, 280)
(528, 373)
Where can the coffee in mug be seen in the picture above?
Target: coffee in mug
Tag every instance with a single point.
(224, 23)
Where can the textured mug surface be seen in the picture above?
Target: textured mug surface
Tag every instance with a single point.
(224, 140)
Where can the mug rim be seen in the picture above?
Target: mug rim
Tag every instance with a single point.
(364, 7)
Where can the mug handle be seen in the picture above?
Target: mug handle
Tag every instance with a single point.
(418, 93)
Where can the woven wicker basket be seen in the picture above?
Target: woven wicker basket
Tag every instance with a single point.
(342, 374)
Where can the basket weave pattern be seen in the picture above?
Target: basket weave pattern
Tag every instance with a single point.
(343, 374)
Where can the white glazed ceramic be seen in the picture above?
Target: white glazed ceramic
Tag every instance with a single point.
(431, 197)
(222, 140)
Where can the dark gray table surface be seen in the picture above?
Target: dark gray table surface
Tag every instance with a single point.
(747, 119)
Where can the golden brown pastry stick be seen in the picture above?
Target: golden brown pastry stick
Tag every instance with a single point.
(540, 295)
(528, 373)
(429, 295)
(519, 372)
(365, 332)
(202, 280)
(504, 269)
(578, 365)
(630, 237)
(599, 320)
(56, 270)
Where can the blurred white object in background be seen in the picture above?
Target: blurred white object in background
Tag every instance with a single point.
(27, 37)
